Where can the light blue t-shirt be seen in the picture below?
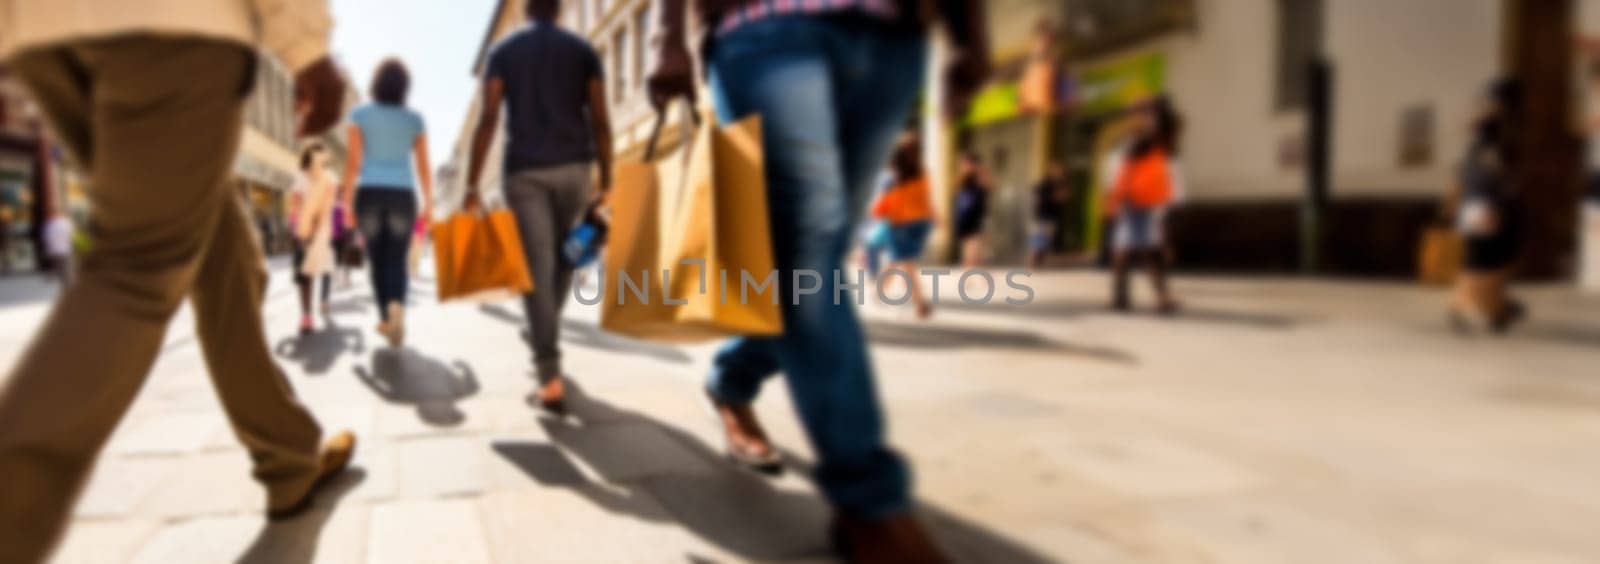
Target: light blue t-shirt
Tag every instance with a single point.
(388, 134)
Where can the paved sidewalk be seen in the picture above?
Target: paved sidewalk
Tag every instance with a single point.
(1275, 421)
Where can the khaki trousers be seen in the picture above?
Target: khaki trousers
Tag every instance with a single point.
(156, 124)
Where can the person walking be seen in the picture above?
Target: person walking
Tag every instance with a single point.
(971, 210)
(907, 209)
(1487, 206)
(558, 143)
(1049, 206)
(875, 236)
(311, 221)
(149, 97)
(388, 161)
(1148, 182)
(833, 83)
(57, 235)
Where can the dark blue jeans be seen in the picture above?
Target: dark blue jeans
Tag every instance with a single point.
(386, 217)
(833, 95)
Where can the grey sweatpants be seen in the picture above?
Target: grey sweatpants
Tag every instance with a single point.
(548, 203)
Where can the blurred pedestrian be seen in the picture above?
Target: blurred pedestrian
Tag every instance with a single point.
(388, 161)
(58, 246)
(1049, 207)
(1488, 212)
(907, 209)
(150, 102)
(558, 143)
(1147, 184)
(311, 221)
(875, 237)
(833, 82)
(972, 210)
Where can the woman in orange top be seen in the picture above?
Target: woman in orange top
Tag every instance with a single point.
(1148, 183)
(908, 210)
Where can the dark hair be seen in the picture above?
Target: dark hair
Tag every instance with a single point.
(1168, 128)
(1506, 95)
(544, 10)
(391, 82)
(907, 159)
(309, 153)
(1497, 131)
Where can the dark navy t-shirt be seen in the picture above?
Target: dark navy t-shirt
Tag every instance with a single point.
(546, 71)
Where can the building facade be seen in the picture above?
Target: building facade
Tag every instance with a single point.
(1395, 86)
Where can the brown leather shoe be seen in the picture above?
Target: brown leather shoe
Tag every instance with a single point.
(335, 457)
(747, 441)
(895, 540)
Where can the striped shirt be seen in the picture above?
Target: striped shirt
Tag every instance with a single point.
(756, 10)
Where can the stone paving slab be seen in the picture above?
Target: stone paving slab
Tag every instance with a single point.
(427, 532)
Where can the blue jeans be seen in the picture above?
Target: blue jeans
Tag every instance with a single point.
(386, 218)
(833, 95)
(909, 239)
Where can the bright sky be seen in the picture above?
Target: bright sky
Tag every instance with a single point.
(437, 39)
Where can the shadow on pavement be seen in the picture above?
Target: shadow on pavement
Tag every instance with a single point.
(928, 336)
(640, 458)
(1562, 333)
(407, 377)
(317, 352)
(588, 335)
(1055, 310)
(295, 540)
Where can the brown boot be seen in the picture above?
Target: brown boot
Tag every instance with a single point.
(334, 459)
(747, 441)
(899, 539)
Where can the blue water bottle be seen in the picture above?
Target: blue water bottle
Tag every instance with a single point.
(583, 244)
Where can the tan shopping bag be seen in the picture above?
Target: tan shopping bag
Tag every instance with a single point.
(689, 256)
(1439, 258)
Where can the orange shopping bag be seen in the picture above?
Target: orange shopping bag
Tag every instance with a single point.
(686, 233)
(479, 255)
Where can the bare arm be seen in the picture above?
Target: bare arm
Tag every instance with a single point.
(600, 121)
(352, 167)
(494, 90)
(296, 202)
(419, 152)
(673, 74)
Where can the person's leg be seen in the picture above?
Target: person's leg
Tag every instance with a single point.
(399, 224)
(160, 156)
(1120, 299)
(327, 292)
(370, 213)
(261, 405)
(793, 74)
(302, 284)
(532, 200)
